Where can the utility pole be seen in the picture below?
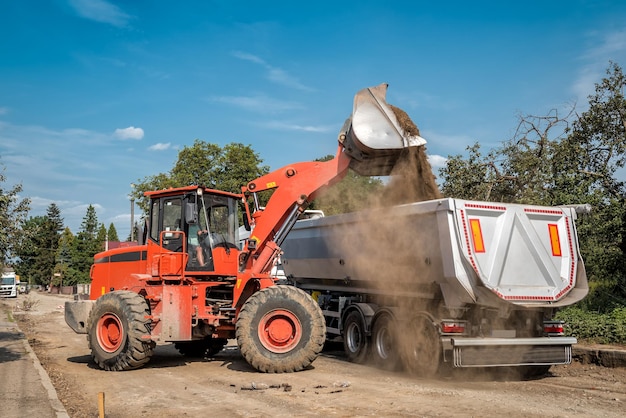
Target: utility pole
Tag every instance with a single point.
(132, 213)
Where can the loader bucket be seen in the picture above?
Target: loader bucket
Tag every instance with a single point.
(373, 137)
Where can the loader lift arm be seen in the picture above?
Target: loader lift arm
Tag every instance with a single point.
(295, 187)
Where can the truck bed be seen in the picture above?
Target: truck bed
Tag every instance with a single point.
(472, 252)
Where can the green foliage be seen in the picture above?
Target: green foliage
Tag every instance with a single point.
(85, 245)
(29, 250)
(206, 164)
(64, 272)
(37, 250)
(349, 195)
(470, 178)
(112, 233)
(595, 327)
(13, 212)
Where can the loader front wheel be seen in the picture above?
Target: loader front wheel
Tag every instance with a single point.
(119, 331)
(280, 329)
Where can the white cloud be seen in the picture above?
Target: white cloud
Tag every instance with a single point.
(129, 133)
(274, 74)
(282, 126)
(260, 103)
(4, 110)
(608, 47)
(100, 11)
(437, 161)
(160, 146)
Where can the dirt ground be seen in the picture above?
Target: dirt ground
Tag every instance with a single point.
(171, 385)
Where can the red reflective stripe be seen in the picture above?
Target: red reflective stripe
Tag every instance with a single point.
(555, 242)
(477, 236)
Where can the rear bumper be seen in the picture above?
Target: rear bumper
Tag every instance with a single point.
(493, 352)
(77, 313)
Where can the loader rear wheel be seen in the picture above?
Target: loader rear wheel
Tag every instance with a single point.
(280, 329)
(420, 349)
(355, 340)
(119, 331)
(385, 353)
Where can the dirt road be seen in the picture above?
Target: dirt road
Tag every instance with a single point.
(172, 385)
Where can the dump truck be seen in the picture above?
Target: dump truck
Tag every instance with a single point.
(188, 282)
(9, 285)
(441, 284)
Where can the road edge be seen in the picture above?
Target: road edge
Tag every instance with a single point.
(55, 402)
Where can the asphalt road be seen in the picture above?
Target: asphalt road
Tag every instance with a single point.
(25, 389)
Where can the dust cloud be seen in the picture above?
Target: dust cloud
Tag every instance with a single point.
(396, 254)
(412, 179)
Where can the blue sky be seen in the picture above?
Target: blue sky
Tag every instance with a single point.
(95, 94)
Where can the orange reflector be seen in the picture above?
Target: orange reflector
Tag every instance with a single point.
(555, 242)
(477, 236)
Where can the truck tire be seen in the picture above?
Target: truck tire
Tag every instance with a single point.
(207, 347)
(119, 330)
(420, 348)
(355, 339)
(280, 329)
(385, 352)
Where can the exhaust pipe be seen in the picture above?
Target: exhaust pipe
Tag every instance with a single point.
(373, 137)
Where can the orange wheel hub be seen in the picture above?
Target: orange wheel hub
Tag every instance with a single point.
(110, 332)
(280, 331)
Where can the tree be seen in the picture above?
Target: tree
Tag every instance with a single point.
(208, 165)
(596, 148)
(49, 241)
(350, 194)
(29, 250)
(37, 250)
(63, 269)
(85, 245)
(102, 236)
(13, 212)
(112, 233)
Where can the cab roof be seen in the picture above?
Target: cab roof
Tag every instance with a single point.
(175, 191)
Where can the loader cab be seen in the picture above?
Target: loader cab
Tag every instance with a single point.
(199, 222)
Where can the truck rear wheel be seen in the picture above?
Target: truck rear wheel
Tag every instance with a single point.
(355, 340)
(420, 348)
(280, 329)
(385, 343)
(117, 327)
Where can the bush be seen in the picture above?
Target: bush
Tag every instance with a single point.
(593, 327)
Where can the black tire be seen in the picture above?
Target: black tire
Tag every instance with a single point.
(355, 340)
(385, 351)
(207, 347)
(118, 331)
(420, 348)
(280, 329)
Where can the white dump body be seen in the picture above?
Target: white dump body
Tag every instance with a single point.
(476, 252)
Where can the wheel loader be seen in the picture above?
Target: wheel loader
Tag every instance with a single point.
(188, 282)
